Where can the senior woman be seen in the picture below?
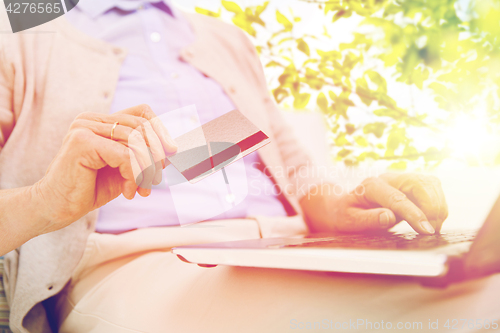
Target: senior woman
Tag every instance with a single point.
(70, 145)
(102, 156)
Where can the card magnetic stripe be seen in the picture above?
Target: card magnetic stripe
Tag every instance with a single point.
(225, 155)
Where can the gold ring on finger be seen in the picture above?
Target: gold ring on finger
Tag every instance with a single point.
(113, 130)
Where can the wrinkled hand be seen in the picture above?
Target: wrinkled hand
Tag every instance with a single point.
(379, 203)
(90, 169)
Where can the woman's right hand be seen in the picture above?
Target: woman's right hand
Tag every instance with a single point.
(91, 169)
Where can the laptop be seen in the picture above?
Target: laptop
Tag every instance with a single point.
(436, 259)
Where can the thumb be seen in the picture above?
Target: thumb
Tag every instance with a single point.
(373, 219)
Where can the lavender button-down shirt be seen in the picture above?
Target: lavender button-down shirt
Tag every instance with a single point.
(154, 33)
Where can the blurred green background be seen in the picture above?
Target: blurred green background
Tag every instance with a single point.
(407, 84)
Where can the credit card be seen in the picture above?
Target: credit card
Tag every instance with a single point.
(216, 144)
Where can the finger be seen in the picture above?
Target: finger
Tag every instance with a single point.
(137, 144)
(156, 149)
(375, 190)
(138, 140)
(123, 119)
(120, 132)
(167, 141)
(116, 155)
(426, 192)
(443, 211)
(368, 219)
(136, 168)
(134, 118)
(146, 112)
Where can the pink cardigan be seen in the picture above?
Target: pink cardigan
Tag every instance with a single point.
(49, 77)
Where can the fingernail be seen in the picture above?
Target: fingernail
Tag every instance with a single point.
(384, 219)
(138, 179)
(157, 179)
(427, 227)
(172, 142)
(166, 135)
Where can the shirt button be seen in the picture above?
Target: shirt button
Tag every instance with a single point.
(155, 37)
(174, 75)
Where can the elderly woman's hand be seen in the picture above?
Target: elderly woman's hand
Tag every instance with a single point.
(379, 203)
(101, 157)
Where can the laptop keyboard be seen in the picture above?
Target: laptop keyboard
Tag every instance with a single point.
(405, 241)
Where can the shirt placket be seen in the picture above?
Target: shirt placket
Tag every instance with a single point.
(156, 39)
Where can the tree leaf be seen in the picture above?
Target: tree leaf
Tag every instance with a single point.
(341, 140)
(366, 155)
(284, 21)
(285, 39)
(207, 12)
(325, 32)
(361, 141)
(376, 128)
(261, 8)
(350, 128)
(388, 113)
(322, 103)
(273, 63)
(243, 22)
(396, 137)
(410, 153)
(232, 7)
(329, 55)
(363, 92)
(301, 100)
(302, 46)
(341, 13)
(280, 94)
(378, 80)
(401, 165)
(284, 78)
(343, 153)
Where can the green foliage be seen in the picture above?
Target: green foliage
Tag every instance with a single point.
(283, 20)
(435, 47)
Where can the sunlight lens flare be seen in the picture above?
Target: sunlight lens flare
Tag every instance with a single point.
(470, 136)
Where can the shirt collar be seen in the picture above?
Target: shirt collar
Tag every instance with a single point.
(95, 8)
